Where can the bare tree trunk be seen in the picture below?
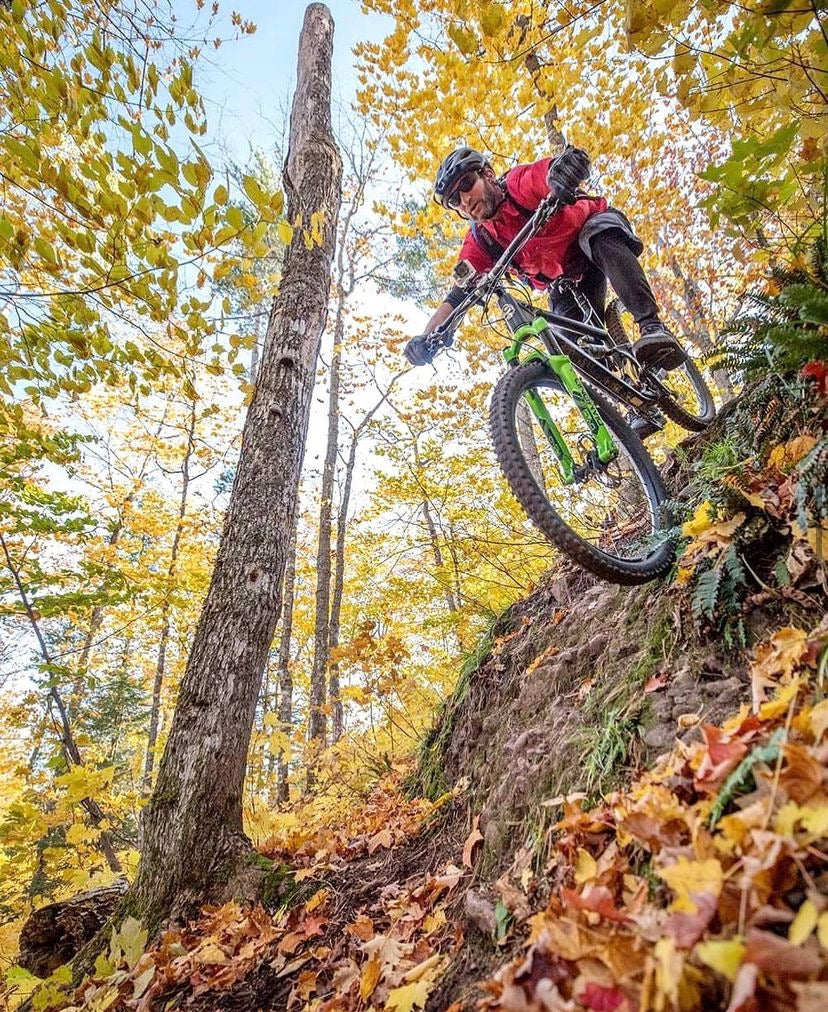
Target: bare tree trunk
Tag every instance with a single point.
(529, 445)
(317, 724)
(282, 792)
(194, 842)
(166, 607)
(317, 720)
(69, 747)
(337, 718)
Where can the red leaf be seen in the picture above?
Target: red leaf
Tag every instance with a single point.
(818, 372)
(686, 929)
(721, 757)
(602, 999)
(597, 899)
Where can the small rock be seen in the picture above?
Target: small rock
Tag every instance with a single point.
(596, 644)
(681, 680)
(661, 736)
(559, 590)
(480, 912)
(711, 665)
(723, 686)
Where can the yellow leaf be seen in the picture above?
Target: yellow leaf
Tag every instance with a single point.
(210, 955)
(688, 877)
(369, 978)
(404, 999)
(818, 720)
(669, 967)
(803, 924)
(725, 957)
(702, 519)
(284, 232)
(767, 711)
(586, 867)
(221, 195)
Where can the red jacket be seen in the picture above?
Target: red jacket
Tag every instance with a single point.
(554, 250)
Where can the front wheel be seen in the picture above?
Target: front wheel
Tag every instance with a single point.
(610, 519)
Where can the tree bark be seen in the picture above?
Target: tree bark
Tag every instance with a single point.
(317, 720)
(194, 842)
(166, 607)
(282, 792)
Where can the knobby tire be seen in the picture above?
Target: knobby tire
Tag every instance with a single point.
(502, 419)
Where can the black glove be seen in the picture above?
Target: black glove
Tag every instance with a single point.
(567, 172)
(421, 350)
(418, 352)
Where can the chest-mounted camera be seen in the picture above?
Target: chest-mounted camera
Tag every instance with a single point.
(463, 274)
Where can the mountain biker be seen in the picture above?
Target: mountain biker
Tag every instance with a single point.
(585, 239)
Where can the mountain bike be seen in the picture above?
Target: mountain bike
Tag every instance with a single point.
(573, 461)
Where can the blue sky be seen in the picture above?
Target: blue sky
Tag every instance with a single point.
(247, 84)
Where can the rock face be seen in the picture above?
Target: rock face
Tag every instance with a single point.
(54, 933)
(582, 683)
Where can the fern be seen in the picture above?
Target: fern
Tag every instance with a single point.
(779, 331)
(706, 593)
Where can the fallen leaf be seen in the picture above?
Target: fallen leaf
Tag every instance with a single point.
(724, 956)
(601, 999)
(369, 978)
(411, 996)
(811, 997)
(689, 879)
(804, 923)
(818, 720)
(586, 867)
(474, 837)
(776, 955)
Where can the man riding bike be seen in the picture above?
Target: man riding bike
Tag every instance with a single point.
(586, 239)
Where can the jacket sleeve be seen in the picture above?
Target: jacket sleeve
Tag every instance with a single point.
(527, 183)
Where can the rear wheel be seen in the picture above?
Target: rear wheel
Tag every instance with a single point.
(610, 519)
(688, 402)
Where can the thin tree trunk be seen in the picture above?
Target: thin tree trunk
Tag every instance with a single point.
(282, 793)
(166, 607)
(194, 842)
(317, 720)
(96, 618)
(337, 716)
(529, 445)
(69, 747)
(317, 723)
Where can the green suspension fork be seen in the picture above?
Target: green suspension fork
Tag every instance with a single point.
(565, 371)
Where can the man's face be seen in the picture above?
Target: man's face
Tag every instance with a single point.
(476, 195)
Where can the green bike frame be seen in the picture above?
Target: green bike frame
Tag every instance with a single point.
(562, 366)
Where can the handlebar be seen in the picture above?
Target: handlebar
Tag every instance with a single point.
(485, 284)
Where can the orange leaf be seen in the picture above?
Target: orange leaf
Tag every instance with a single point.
(597, 899)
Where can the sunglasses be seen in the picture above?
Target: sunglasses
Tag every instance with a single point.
(464, 184)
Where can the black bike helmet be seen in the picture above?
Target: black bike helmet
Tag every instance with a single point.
(452, 167)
